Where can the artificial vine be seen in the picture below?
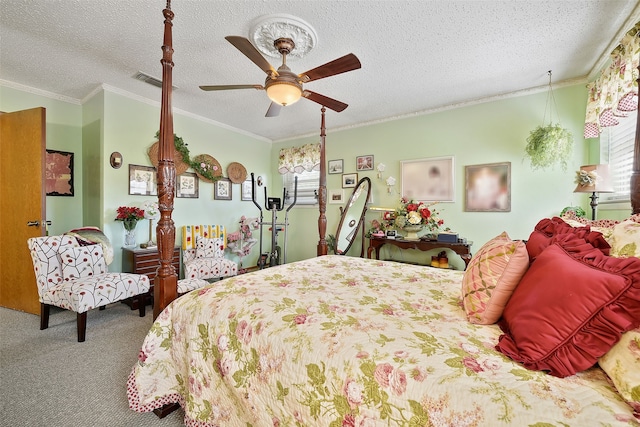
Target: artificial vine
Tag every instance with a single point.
(202, 167)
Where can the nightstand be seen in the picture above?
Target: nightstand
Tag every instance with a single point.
(146, 261)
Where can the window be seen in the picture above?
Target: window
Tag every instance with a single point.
(616, 148)
(308, 183)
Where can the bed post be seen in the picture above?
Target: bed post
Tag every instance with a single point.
(166, 282)
(634, 189)
(322, 191)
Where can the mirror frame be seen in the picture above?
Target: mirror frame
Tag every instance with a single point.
(361, 219)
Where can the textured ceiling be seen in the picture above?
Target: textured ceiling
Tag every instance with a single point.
(417, 56)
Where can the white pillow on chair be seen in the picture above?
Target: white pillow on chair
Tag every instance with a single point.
(85, 261)
(209, 248)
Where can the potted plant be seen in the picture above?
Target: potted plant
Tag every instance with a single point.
(549, 145)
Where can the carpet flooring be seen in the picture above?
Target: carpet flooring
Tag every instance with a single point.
(47, 378)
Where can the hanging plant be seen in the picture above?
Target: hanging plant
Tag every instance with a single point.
(550, 144)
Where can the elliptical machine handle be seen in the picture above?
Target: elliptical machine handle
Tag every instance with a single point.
(295, 194)
(253, 195)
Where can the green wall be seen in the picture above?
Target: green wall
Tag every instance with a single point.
(483, 133)
(477, 134)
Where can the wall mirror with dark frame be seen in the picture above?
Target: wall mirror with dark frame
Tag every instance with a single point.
(352, 217)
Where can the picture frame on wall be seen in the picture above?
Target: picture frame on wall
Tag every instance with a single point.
(58, 173)
(336, 166)
(364, 163)
(336, 196)
(487, 187)
(349, 180)
(142, 180)
(222, 189)
(246, 190)
(187, 186)
(428, 180)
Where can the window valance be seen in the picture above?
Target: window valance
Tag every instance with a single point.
(298, 159)
(615, 92)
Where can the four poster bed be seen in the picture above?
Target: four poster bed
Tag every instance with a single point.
(345, 341)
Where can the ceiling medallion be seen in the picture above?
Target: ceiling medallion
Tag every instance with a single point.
(268, 28)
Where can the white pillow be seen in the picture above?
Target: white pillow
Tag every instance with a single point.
(82, 262)
(209, 248)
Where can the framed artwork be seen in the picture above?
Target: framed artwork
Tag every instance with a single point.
(336, 196)
(58, 173)
(336, 166)
(428, 180)
(246, 190)
(142, 180)
(349, 180)
(487, 187)
(364, 163)
(222, 189)
(187, 186)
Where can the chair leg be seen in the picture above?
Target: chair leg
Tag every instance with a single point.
(82, 326)
(44, 316)
(141, 304)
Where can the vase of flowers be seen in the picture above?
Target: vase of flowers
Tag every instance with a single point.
(413, 217)
(129, 217)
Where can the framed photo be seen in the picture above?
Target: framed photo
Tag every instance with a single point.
(487, 187)
(58, 173)
(349, 180)
(246, 190)
(187, 186)
(142, 180)
(336, 166)
(336, 196)
(222, 189)
(364, 163)
(428, 180)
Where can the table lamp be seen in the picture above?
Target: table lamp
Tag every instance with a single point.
(593, 179)
(151, 212)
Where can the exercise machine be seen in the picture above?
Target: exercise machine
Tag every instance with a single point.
(276, 255)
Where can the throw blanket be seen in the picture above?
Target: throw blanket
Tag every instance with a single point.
(91, 236)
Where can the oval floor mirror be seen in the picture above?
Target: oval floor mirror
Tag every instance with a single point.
(352, 217)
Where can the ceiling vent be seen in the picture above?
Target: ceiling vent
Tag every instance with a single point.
(149, 79)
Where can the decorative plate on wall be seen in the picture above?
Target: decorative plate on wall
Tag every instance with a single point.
(236, 172)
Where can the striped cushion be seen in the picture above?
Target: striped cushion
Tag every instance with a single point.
(190, 234)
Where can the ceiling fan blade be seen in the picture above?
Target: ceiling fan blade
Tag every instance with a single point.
(245, 46)
(274, 110)
(227, 87)
(334, 104)
(348, 62)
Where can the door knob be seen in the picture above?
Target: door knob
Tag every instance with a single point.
(33, 223)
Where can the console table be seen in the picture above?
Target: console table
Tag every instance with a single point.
(146, 261)
(462, 249)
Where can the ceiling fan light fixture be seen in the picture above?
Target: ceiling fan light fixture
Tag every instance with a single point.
(284, 93)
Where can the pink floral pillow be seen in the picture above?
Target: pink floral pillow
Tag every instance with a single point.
(209, 248)
(491, 277)
(622, 364)
(82, 262)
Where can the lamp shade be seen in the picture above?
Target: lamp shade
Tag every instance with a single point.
(284, 93)
(593, 179)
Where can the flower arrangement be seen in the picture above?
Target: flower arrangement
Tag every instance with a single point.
(410, 212)
(586, 178)
(129, 216)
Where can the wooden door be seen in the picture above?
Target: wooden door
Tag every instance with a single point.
(22, 200)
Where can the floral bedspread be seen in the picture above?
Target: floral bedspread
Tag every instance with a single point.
(343, 341)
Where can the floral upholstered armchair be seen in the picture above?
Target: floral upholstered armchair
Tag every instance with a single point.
(203, 252)
(74, 276)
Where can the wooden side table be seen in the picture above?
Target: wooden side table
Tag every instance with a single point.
(146, 261)
(462, 249)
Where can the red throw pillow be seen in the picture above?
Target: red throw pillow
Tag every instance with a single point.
(570, 307)
(547, 229)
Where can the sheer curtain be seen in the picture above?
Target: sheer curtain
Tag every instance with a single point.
(615, 92)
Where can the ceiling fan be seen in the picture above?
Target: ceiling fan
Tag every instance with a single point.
(282, 85)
